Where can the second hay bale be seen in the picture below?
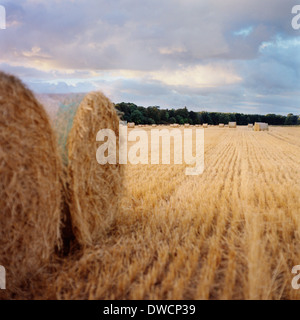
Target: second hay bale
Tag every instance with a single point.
(94, 188)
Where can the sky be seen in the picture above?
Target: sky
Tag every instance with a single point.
(213, 55)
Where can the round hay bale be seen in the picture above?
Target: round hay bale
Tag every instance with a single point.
(30, 192)
(261, 126)
(131, 125)
(94, 189)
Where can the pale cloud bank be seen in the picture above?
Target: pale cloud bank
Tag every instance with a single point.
(216, 55)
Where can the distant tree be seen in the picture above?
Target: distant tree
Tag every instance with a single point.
(223, 118)
(206, 118)
(137, 117)
(179, 119)
(154, 114)
(193, 117)
(291, 120)
(183, 113)
(164, 116)
(172, 120)
(151, 121)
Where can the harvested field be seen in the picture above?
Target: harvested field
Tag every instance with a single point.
(232, 233)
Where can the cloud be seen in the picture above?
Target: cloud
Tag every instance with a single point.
(244, 32)
(216, 54)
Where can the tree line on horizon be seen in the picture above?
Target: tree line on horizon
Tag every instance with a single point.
(155, 115)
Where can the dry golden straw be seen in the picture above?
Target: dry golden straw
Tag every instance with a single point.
(94, 189)
(30, 197)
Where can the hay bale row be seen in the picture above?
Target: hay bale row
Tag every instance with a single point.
(30, 189)
(261, 126)
(33, 183)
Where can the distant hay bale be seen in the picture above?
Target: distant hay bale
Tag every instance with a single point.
(261, 126)
(94, 188)
(250, 125)
(205, 125)
(232, 125)
(186, 125)
(30, 192)
(154, 125)
(221, 125)
(131, 125)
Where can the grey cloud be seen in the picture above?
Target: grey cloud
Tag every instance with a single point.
(96, 35)
(127, 34)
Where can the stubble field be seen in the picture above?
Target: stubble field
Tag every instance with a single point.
(231, 233)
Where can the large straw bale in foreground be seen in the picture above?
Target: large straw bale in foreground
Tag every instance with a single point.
(29, 184)
(94, 188)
